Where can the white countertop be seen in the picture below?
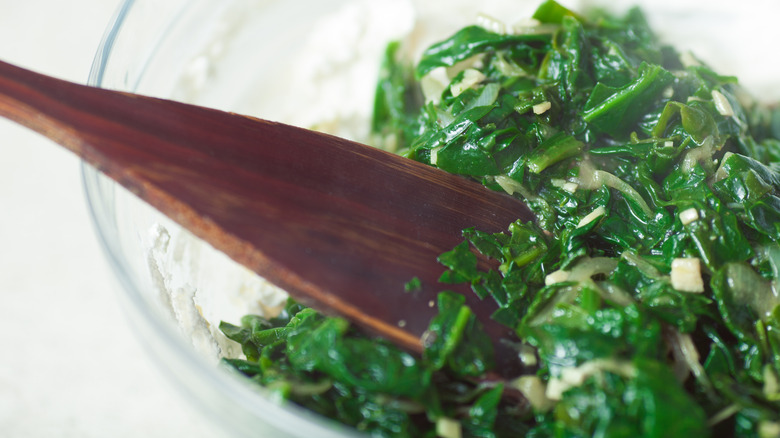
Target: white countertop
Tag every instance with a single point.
(69, 366)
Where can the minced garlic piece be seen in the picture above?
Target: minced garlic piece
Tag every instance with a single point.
(686, 275)
(768, 429)
(570, 187)
(722, 104)
(689, 215)
(595, 214)
(508, 184)
(558, 276)
(448, 428)
(471, 77)
(572, 377)
(435, 155)
(534, 391)
(527, 355)
(541, 108)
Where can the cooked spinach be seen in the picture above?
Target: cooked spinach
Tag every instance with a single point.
(644, 296)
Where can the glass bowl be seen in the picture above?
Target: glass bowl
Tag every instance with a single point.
(307, 63)
(255, 57)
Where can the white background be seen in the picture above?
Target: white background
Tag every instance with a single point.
(69, 364)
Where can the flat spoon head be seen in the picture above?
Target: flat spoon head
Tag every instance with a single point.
(339, 225)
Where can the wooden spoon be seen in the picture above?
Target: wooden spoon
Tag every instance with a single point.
(341, 226)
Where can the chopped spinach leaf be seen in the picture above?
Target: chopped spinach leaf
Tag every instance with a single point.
(646, 295)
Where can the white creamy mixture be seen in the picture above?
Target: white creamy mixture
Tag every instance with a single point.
(200, 286)
(333, 87)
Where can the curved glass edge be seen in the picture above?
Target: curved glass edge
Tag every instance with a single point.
(234, 392)
(103, 52)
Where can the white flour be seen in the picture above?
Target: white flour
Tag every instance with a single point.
(200, 286)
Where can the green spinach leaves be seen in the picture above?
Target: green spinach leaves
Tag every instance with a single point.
(645, 295)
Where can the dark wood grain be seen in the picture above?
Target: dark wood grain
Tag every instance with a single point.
(341, 226)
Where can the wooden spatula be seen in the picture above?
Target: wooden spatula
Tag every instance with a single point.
(341, 226)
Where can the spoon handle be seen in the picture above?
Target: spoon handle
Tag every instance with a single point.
(341, 226)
